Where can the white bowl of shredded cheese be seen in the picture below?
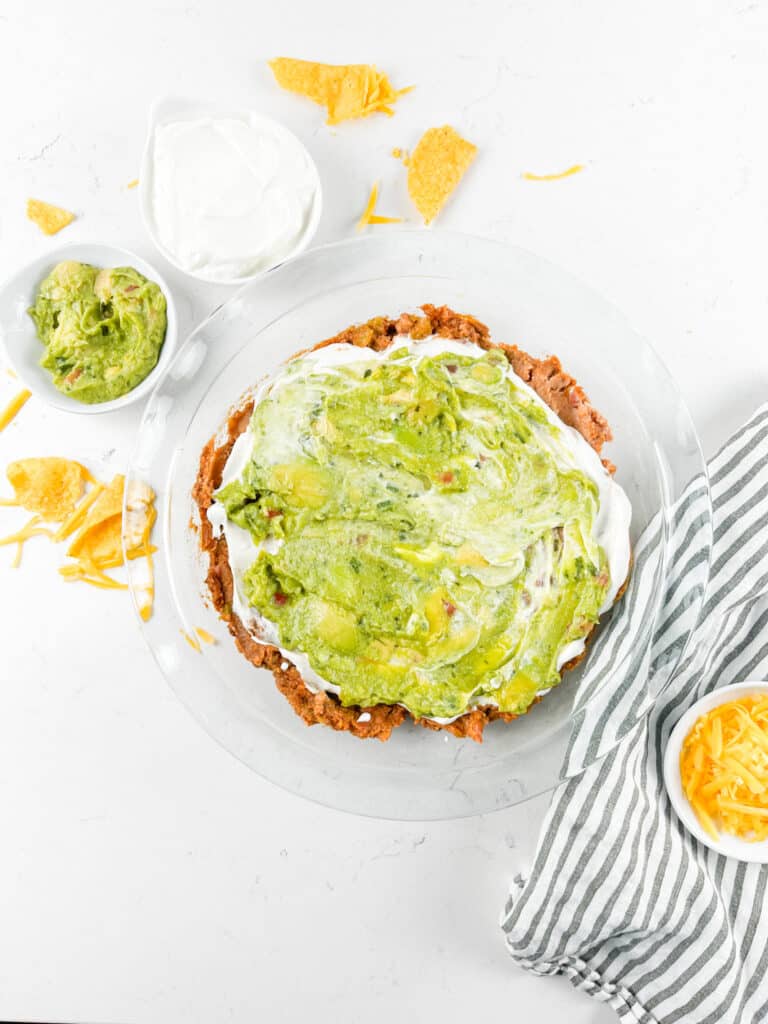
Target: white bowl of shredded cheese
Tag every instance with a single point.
(727, 844)
(226, 194)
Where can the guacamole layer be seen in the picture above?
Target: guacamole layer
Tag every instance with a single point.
(102, 329)
(421, 531)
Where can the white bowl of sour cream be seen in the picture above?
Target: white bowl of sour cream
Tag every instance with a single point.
(226, 194)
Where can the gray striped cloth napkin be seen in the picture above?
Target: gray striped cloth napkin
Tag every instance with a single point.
(620, 898)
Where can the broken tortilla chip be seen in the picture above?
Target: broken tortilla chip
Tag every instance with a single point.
(346, 90)
(436, 167)
(50, 487)
(100, 544)
(49, 219)
(101, 524)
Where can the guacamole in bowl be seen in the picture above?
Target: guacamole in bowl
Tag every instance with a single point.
(103, 329)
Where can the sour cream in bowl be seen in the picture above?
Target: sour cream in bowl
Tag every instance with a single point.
(226, 195)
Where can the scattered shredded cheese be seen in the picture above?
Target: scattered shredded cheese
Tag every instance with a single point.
(133, 183)
(50, 219)
(554, 177)
(13, 407)
(193, 642)
(724, 769)
(74, 521)
(345, 90)
(30, 529)
(435, 168)
(86, 571)
(52, 488)
(369, 217)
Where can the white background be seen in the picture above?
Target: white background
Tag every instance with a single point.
(145, 875)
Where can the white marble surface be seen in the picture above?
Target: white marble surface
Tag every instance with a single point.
(144, 874)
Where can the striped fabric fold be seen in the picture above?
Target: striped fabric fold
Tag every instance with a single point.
(620, 898)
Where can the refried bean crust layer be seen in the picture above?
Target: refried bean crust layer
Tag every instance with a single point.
(547, 378)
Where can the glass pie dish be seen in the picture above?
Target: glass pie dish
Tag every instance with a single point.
(418, 773)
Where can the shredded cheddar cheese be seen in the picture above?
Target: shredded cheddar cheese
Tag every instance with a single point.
(84, 569)
(14, 406)
(369, 217)
(554, 177)
(52, 488)
(30, 529)
(724, 769)
(193, 642)
(133, 183)
(50, 219)
(74, 521)
(435, 168)
(345, 90)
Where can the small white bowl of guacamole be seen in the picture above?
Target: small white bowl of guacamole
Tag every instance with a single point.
(88, 328)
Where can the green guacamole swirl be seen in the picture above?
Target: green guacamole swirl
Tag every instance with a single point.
(102, 329)
(433, 543)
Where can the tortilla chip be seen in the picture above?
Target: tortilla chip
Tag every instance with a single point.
(101, 544)
(436, 167)
(345, 90)
(93, 535)
(49, 219)
(51, 487)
